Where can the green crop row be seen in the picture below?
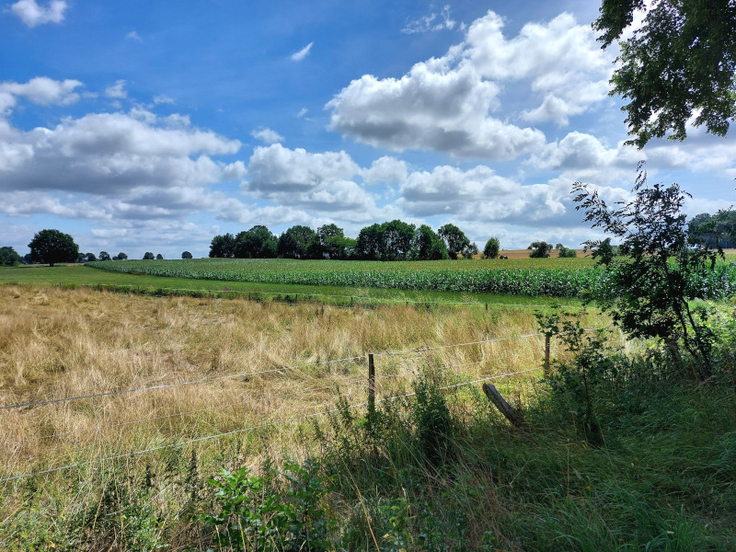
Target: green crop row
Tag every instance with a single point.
(463, 277)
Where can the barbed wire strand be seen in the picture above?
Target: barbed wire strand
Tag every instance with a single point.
(241, 430)
(175, 415)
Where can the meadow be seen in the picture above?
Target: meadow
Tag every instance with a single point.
(120, 411)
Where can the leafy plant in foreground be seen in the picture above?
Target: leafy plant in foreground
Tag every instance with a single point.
(651, 287)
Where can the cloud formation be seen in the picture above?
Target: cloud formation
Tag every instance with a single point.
(267, 135)
(301, 54)
(431, 23)
(446, 104)
(30, 13)
(40, 91)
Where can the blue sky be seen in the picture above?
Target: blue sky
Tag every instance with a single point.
(153, 126)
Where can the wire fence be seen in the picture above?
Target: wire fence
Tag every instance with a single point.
(270, 398)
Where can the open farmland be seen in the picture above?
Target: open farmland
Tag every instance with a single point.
(531, 277)
(98, 388)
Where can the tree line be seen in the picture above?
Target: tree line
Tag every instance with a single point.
(389, 241)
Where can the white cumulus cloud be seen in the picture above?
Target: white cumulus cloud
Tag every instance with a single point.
(33, 14)
(448, 104)
(267, 135)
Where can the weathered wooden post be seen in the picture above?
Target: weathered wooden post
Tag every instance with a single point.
(505, 408)
(371, 384)
(547, 339)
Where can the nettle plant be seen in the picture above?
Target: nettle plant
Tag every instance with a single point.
(652, 279)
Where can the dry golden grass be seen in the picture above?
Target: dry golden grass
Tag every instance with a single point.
(64, 343)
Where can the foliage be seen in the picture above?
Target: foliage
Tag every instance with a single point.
(148, 256)
(539, 249)
(565, 252)
(120, 257)
(223, 246)
(8, 256)
(575, 381)
(493, 246)
(679, 66)
(651, 287)
(333, 244)
(87, 258)
(53, 246)
(713, 231)
(299, 242)
(428, 246)
(159, 257)
(104, 256)
(279, 511)
(186, 255)
(456, 240)
(256, 243)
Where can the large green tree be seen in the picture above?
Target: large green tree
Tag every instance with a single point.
(456, 241)
(257, 243)
(679, 65)
(295, 242)
(53, 246)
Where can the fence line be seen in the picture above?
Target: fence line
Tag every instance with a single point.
(238, 431)
(275, 370)
(222, 406)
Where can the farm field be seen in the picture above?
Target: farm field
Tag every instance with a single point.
(530, 277)
(75, 275)
(153, 379)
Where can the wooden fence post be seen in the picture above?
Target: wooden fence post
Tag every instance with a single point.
(371, 384)
(546, 355)
(505, 408)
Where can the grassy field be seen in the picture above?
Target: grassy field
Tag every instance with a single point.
(119, 470)
(117, 410)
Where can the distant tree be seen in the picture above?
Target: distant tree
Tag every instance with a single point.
(186, 255)
(369, 245)
(455, 239)
(148, 256)
(256, 243)
(104, 256)
(713, 231)
(53, 246)
(159, 257)
(8, 256)
(333, 244)
(493, 246)
(397, 240)
(295, 243)
(223, 246)
(566, 252)
(28, 259)
(122, 256)
(539, 249)
(89, 258)
(470, 251)
(428, 246)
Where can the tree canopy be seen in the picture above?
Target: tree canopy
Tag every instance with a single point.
(680, 64)
(539, 249)
(53, 246)
(493, 246)
(8, 256)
